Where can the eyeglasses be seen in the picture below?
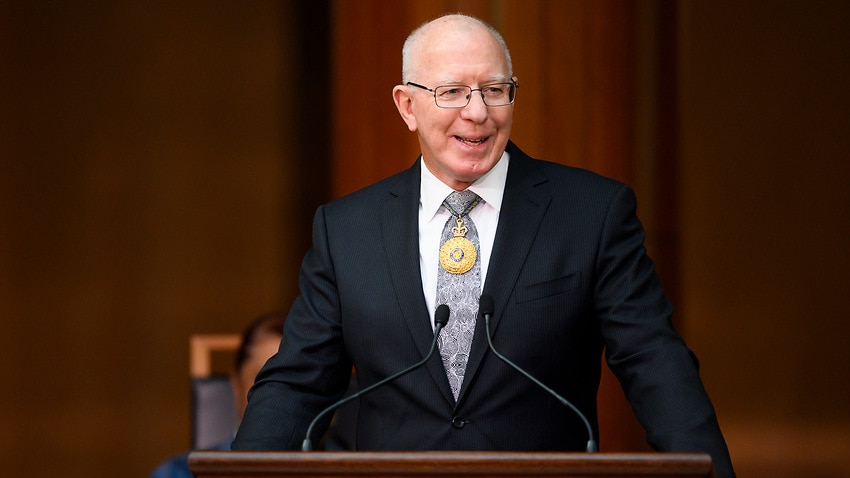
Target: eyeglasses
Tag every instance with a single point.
(458, 96)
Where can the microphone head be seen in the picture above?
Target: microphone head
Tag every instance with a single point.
(485, 305)
(441, 316)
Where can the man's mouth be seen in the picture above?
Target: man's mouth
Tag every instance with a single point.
(470, 141)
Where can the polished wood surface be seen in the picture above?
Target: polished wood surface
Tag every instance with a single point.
(208, 464)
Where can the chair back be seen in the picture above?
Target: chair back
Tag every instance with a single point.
(214, 417)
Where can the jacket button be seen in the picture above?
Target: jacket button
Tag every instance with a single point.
(458, 422)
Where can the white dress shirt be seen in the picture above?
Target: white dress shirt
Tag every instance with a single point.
(433, 216)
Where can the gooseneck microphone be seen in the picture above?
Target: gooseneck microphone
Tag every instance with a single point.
(485, 306)
(441, 318)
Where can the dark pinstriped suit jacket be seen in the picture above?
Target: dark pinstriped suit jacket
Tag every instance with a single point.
(569, 276)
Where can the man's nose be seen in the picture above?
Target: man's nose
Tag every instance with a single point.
(476, 110)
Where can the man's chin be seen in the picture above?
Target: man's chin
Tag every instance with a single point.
(471, 174)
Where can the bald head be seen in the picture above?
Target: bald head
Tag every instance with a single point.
(447, 28)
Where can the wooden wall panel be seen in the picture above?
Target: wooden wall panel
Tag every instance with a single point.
(148, 190)
(765, 226)
(368, 134)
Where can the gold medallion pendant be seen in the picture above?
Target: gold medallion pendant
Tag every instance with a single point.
(457, 255)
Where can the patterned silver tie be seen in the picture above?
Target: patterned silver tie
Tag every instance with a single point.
(459, 284)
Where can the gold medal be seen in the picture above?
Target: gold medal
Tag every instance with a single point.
(457, 255)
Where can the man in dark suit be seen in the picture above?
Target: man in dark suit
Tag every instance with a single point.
(560, 251)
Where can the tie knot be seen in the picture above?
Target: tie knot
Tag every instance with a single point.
(461, 202)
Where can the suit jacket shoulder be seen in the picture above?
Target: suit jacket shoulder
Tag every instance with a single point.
(557, 177)
(368, 200)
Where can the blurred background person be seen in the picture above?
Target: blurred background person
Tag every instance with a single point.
(260, 340)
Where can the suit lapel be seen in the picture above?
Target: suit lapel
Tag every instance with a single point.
(400, 233)
(523, 207)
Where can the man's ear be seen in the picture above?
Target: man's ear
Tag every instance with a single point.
(404, 104)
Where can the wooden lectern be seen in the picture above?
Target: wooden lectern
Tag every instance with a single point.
(443, 464)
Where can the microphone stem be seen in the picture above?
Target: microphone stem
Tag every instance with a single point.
(307, 444)
(591, 443)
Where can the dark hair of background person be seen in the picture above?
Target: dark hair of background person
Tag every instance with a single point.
(271, 323)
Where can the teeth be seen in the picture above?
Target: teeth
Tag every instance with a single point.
(471, 141)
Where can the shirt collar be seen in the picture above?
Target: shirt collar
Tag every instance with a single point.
(491, 187)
